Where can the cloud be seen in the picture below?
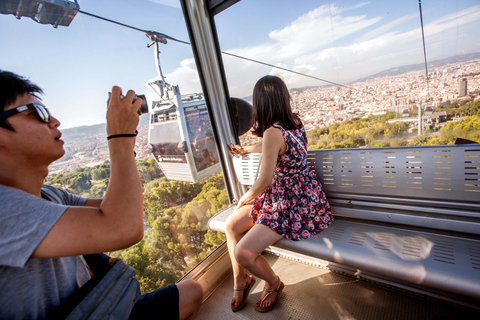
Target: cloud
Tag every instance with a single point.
(169, 3)
(387, 27)
(316, 29)
(454, 20)
(335, 44)
(187, 76)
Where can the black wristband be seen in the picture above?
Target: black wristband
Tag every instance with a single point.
(125, 135)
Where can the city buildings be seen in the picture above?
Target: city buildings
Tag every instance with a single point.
(327, 105)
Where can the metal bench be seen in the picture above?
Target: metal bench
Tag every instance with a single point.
(408, 217)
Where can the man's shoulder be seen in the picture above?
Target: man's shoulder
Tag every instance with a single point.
(61, 196)
(7, 192)
(48, 190)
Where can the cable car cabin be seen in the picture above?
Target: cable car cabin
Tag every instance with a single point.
(407, 224)
(181, 138)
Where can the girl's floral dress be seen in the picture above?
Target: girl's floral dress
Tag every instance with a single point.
(294, 205)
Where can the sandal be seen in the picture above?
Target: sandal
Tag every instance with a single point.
(277, 290)
(246, 290)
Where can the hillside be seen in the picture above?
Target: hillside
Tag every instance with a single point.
(421, 66)
(87, 146)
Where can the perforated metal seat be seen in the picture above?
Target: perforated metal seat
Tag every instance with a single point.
(409, 214)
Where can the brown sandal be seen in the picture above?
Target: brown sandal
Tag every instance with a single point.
(277, 290)
(246, 290)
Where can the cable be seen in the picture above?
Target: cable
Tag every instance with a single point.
(333, 37)
(285, 69)
(159, 36)
(423, 39)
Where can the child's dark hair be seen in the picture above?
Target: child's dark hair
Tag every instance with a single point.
(13, 86)
(272, 104)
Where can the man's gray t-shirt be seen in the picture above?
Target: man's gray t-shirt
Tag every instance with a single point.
(31, 288)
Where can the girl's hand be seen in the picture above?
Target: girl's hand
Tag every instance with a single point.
(238, 149)
(245, 200)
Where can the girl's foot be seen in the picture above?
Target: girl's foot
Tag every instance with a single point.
(269, 297)
(241, 293)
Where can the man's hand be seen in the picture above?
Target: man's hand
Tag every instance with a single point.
(122, 116)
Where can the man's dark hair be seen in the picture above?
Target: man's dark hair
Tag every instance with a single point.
(271, 104)
(11, 87)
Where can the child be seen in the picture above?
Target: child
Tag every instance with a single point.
(285, 201)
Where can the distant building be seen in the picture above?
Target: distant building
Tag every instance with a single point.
(440, 116)
(462, 88)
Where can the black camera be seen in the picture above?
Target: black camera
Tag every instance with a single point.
(143, 107)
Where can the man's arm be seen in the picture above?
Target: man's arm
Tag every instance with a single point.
(115, 222)
(93, 203)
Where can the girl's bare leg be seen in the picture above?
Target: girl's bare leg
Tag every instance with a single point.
(247, 254)
(237, 225)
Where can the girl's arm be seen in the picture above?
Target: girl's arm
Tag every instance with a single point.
(273, 146)
(256, 148)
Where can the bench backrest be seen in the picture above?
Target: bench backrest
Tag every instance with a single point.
(429, 186)
(436, 187)
(448, 173)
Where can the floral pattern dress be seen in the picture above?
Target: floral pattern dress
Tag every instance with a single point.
(294, 205)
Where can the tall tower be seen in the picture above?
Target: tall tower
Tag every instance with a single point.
(462, 88)
(420, 120)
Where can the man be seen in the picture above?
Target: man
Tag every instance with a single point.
(40, 239)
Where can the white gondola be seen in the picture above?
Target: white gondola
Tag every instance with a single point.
(181, 137)
(180, 133)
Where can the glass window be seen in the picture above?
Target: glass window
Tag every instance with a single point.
(77, 66)
(201, 137)
(356, 69)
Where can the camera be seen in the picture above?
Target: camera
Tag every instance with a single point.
(143, 107)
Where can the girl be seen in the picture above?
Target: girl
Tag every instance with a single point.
(285, 201)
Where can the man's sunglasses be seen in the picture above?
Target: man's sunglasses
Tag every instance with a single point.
(42, 111)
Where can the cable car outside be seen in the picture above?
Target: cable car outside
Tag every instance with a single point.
(181, 138)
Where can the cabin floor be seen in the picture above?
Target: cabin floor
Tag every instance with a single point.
(316, 293)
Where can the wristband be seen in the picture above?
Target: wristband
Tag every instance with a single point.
(124, 135)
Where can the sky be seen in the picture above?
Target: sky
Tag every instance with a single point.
(339, 41)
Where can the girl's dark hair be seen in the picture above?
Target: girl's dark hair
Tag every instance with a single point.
(11, 87)
(271, 104)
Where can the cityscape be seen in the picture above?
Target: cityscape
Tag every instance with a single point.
(317, 106)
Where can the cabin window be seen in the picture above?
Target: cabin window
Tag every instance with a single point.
(356, 70)
(201, 137)
(77, 67)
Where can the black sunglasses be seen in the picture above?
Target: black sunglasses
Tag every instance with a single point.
(42, 111)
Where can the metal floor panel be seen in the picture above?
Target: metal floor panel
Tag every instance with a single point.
(315, 293)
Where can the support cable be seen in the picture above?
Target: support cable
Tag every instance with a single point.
(333, 37)
(161, 37)
(285, 69)
(158, 34)
(420, 119)
(423, 40)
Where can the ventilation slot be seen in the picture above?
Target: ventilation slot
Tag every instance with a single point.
(443, 253)
(384, 241)
(412, 247)
(358, 238)
(472, 173)
(474, 257)
(327, 175)
(336, 234)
